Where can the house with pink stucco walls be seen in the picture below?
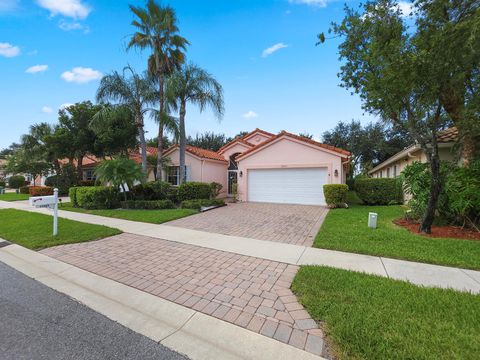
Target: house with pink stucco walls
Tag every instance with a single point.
(282, 168)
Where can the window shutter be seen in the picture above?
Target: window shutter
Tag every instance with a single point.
(188, 173)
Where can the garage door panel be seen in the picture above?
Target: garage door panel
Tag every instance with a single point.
(289, 186)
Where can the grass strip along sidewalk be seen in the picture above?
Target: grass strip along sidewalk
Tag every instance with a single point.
(148, 216)
(370, 317)
(13, 197)
(34, 231)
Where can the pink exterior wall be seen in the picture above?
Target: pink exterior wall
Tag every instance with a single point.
(289, 153)
(237, 148)
(202, 169)
(257, 138)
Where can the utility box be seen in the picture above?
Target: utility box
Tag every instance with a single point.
(372, 220)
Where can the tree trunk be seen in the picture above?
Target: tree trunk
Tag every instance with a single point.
(80, 168)
(143, 145)
(160, 131)
(435, 188)
(468, 148)
(183, 140)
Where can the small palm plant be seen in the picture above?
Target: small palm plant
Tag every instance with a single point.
(119, 172)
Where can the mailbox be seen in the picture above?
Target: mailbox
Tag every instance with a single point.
(43, 201)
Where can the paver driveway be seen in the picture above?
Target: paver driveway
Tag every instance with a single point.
(292, 224)
(250, 292)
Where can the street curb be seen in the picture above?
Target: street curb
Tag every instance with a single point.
(198, 336)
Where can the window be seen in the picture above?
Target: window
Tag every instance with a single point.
(388, 172)
(89, 174)
(173, 175)
(395, 171)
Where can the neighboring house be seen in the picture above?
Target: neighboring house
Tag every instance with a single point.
(393, 166)
(4, 175)
(282, 168)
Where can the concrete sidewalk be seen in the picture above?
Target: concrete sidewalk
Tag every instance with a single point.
(417, 273)
(189, 332)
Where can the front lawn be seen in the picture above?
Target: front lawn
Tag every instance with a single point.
(148, 216)
(346, 230)
(34, 231)
(370, 317)
(13, 197)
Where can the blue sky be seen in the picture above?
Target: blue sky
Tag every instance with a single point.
(53, 52)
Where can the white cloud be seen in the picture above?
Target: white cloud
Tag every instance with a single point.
(8, 50)
(70, 8)
(250, 115)
(36, 69)
(47, 109)
(81, 75)
(405, 7)
(8, 5)
(272, 49)
(319, 3)
(69, 26)
(63, 106)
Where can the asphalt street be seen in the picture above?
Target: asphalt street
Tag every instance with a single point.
(37, 322)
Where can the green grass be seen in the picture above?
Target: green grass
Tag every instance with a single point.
(369, 317)
(13, 197)
(148, 216)
(346, 230)
(34, 231)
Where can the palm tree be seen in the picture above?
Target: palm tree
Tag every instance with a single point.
(136, 93)
(157, 30)
(197, 86)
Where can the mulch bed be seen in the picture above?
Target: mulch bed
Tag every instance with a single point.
(456, 232)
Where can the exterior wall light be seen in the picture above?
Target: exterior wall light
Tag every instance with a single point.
(241, 173)
(336, 173)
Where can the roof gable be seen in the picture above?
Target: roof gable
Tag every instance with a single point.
(199, 152)
(237, 140)
(338, 151)
(257, 131)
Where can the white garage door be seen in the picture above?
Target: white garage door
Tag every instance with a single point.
(288, 186)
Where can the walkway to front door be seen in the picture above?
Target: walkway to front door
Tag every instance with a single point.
(292, 224)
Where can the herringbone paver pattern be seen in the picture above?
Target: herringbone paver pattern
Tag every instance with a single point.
(292, 224)
(250, 292)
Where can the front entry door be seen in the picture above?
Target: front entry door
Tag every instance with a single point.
(232, 180)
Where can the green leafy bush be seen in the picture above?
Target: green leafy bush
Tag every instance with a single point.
(97, 197)
(172, 194)
(24, 190)
(87, 182)
(197, 204)
(15, 182)
(72, 193)
(147, 204)
(64, 180)
(194, 190)
(154, 190)
(335, 195)
(2, 183)
(215, 188)
(374, 191)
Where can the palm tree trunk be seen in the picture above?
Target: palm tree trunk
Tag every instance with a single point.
(160, 130)
(143, 145)
(183, 140)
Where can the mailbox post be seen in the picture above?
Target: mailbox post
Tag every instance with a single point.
(50, 202)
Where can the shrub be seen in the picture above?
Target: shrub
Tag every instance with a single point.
(64, 180)
(172, 194)
(147, 204)
(215, 189)
(194, 190)
(24, 190)
(197, 204)
(72, 193)
(86, 183)
(374, 191)
(2, 183)
(154, 190)
(97, 197)
(335, 195)
(40, 190)
(15, 182)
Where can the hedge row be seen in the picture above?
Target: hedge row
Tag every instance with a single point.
(335, 195)
(94, 197)
(383, 191)
(147, 204)
(197, 204)
(40, 190)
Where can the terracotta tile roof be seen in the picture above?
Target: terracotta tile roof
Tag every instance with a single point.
(237, 139)
(297, 137)
(201, 153)
(448, 135)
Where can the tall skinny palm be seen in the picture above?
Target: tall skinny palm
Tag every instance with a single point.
(157, 30)
(135, 92)
(191, 84)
